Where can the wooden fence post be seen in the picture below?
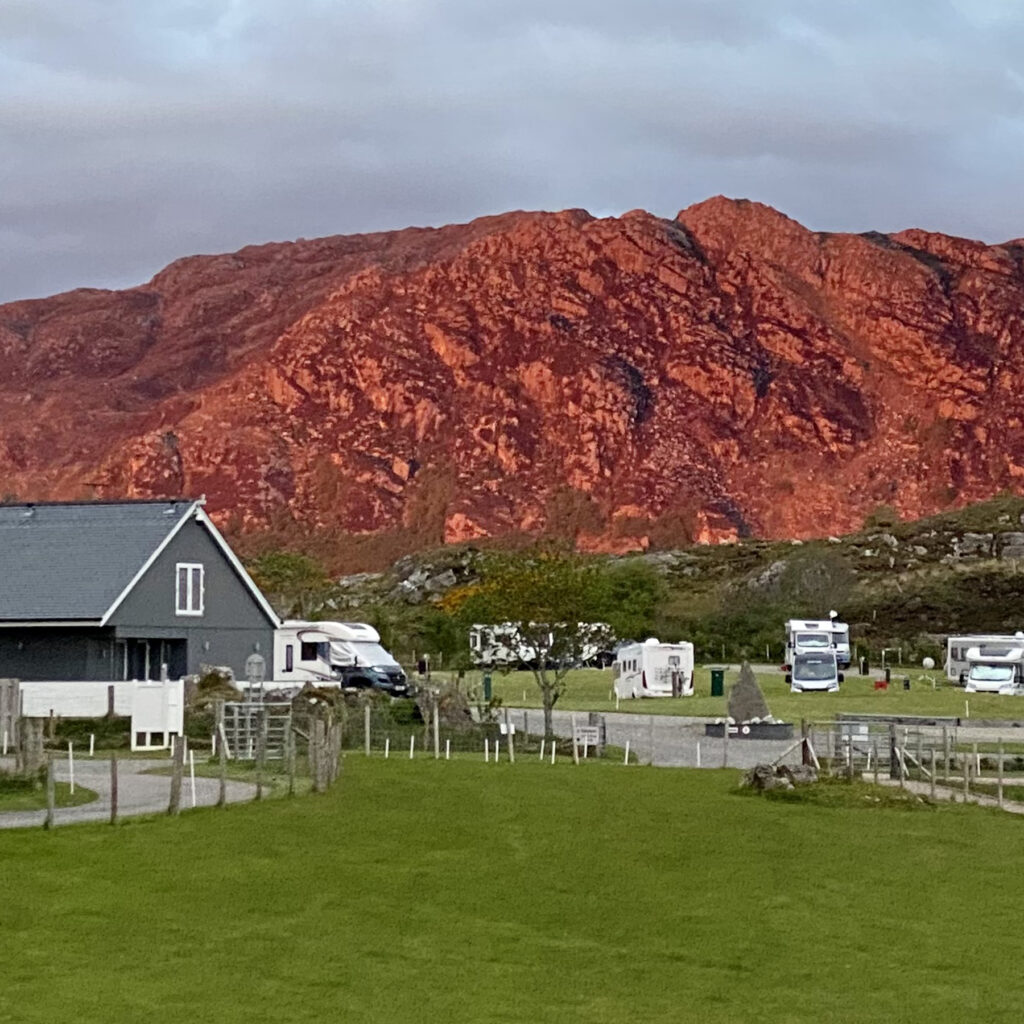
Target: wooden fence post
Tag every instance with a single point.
(261, 751)
(113, 788)
(999, 783)
(222, 791)
(366, 728)
(290, 757)
(51, 794)
(177, 767)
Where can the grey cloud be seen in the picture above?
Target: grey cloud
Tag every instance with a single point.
(134, 132)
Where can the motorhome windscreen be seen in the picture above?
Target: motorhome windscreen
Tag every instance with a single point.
(812, 639)
(991, 673)
(370, 655)
(814, 669)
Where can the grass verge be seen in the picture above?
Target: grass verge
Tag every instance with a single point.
(35, 799)
(588, 690)
(459, 892)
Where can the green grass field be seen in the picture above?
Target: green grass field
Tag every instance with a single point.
(461, 892)
(35, 800)
(588, 689)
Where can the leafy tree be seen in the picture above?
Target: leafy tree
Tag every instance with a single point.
(295, 584)
(636, 593)
(550, 600)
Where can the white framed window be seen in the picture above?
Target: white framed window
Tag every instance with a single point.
(189, 587)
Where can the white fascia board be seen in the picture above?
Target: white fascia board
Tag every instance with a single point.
(202, 517)
(186, 515)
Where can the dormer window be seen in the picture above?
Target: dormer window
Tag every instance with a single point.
(189, 588)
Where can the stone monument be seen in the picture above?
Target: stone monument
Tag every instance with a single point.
(749, 717)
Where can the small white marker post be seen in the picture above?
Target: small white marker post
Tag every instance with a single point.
(92, 744)
(487, 750)
(387, 746)
(71, 765)
(412, 746)
(625, 760)
(616, 702)
(541, 749)
(554, 748)
(192, 774)
(698, 754)
(5, 742)
(967, 709)
(448, 750)
(213, 744)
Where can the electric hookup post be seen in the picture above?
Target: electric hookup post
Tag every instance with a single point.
(487, 687)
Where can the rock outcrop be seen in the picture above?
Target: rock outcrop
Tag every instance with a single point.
(628, 381)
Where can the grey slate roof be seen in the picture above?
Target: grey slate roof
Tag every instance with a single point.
(67, 561)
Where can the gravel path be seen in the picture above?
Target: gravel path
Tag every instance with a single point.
(667, 741)
(136, 793)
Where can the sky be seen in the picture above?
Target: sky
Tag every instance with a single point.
(134, 132)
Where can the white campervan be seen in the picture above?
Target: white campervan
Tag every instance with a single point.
(506, 643)
(958, 648)
(818, 671)
(997, 669)
(812, 636)
(345, 654)
(653, 669)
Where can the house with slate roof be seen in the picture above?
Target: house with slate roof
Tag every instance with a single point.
(108, 591)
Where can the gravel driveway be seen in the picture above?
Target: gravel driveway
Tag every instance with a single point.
(667, 741)
(136, 793)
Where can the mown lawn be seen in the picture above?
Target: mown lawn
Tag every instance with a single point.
(458, 892)
(35, 799)
(588, 689)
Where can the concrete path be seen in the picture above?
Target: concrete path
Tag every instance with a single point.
(136, 793)
(667, 741)
(950, 793)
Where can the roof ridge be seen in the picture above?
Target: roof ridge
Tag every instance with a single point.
(100, 501)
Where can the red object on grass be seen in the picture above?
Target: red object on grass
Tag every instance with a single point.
(881, 684)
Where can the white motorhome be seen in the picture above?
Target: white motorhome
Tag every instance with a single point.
(653, 669)
(997, 669)
(503, 643)
(957, 648)
(812, 636)
(345, 654)
(814, 671)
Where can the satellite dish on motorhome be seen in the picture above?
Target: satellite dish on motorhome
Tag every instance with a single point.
(652, 641)
(833, 614)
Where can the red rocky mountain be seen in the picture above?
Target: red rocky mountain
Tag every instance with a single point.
(628, 380)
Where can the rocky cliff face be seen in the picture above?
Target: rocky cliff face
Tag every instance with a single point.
(628, 381)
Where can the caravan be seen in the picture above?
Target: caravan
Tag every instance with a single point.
(345, 654)
(654, 669)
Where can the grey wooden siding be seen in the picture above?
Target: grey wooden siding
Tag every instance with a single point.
(58, 654)
(232, 626)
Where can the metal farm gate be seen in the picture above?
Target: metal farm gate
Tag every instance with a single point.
(249, 727)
